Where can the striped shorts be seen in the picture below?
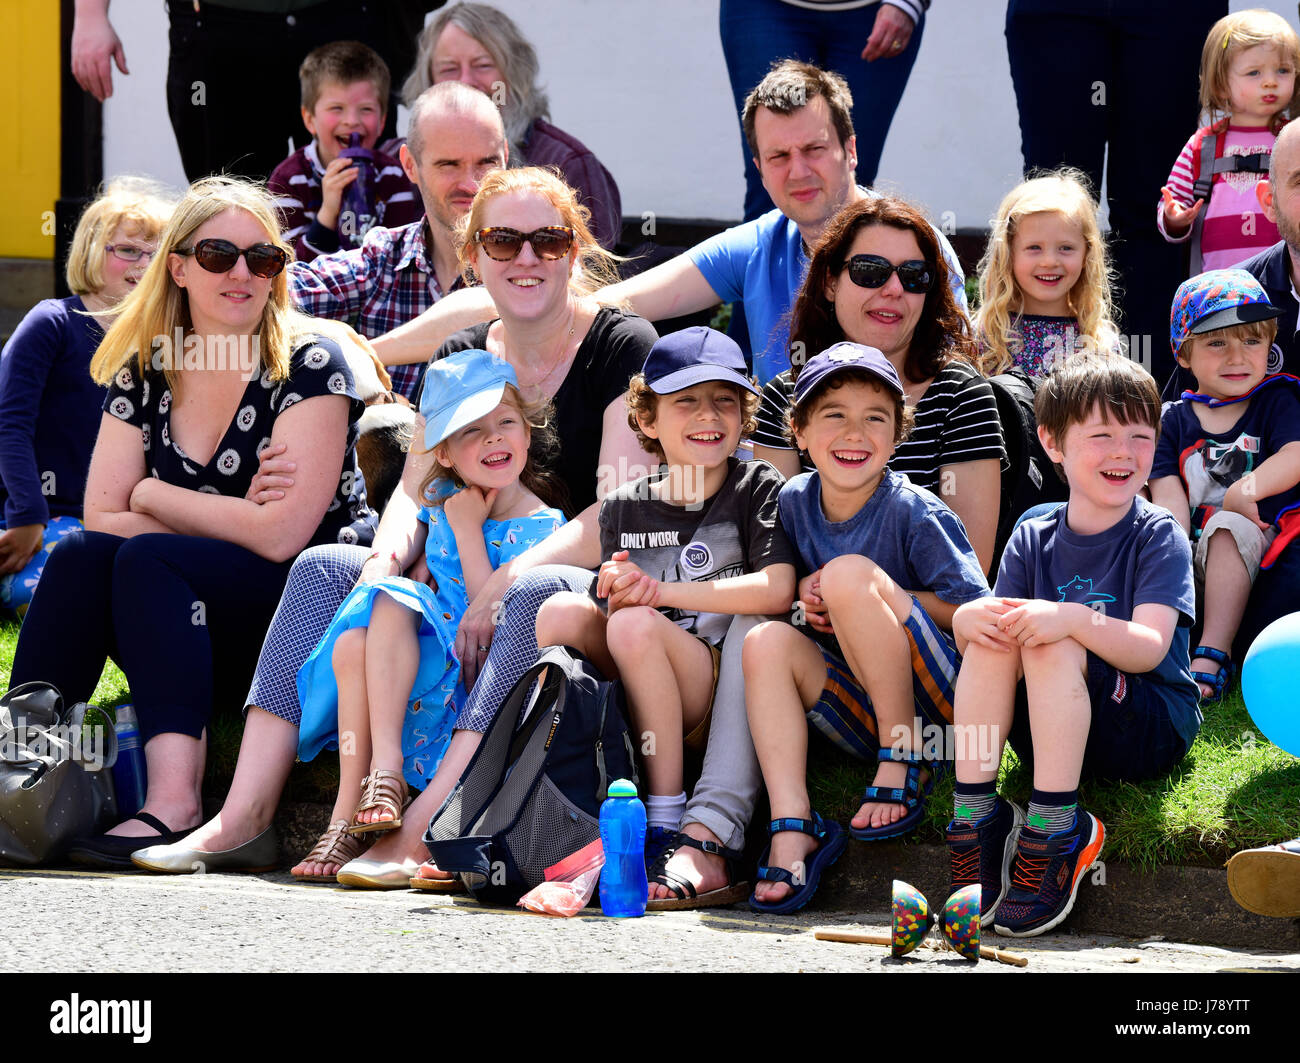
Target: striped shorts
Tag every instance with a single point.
(844, 713)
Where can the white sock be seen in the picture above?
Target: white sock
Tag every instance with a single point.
(665, 811)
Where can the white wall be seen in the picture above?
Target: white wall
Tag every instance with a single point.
(644, 85)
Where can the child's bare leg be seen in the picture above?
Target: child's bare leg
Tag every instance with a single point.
(568, 619)
(984, 705)
(349, 659)
(867, 610)
(392, 659)
(784, 676)
(1227, 588)
(668, 675)
(1060, 711)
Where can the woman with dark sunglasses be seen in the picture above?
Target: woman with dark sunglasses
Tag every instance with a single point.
(877, 278)
(178, 572)
(527, 241)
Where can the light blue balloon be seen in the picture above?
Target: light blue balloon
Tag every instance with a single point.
(1269, 682)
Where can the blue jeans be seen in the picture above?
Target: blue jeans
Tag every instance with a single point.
(755, 33)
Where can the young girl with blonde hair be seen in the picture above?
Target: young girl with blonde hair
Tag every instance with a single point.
(1045, 278)
(384, 683)
(1248, 93)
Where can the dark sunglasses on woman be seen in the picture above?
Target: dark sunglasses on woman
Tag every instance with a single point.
(503, 244)
(220, 256)
(872, 271)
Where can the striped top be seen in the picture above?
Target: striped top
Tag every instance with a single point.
(956, 421)
(1235, 226)
(296, 186)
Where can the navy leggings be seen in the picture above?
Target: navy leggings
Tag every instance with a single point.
(183, 616)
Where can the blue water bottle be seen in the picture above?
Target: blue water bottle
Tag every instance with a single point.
(129, 780)
(622, 835)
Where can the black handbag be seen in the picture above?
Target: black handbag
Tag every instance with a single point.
(54, 785)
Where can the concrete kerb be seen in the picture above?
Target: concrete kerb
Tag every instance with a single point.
(1187, 904)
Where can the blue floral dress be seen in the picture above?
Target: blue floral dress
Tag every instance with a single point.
(438, 694)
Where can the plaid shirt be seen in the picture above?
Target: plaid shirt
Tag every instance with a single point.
(384, 283)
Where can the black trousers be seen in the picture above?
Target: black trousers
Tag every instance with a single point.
(1113, 83)
(184, 617)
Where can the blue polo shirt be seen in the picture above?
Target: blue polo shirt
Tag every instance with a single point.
(763, 263)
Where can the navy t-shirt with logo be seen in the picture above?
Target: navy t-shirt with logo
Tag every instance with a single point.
(736, 531)
(1145, 557)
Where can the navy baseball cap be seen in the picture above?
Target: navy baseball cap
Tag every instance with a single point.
(683, 359)
(841, 358)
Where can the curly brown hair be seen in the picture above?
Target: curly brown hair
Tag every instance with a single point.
(643, 405)
(543, 447)
(942, 333)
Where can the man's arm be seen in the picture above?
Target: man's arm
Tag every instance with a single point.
(671, 289)
(415, 341)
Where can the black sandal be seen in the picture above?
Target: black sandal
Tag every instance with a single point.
(683, 891)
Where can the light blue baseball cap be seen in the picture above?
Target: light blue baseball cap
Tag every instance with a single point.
(459, 389)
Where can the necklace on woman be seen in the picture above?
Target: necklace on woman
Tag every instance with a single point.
(566, 338)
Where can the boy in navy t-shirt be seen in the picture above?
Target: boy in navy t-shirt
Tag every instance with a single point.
(884, 564)
(1228, 460)
(1083, 644)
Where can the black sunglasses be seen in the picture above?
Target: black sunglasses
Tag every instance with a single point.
(503, 244)
(872, 271)
(220, 256)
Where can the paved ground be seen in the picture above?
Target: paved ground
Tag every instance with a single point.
(269, 923)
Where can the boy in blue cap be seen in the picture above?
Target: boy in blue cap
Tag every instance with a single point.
(884, 565)
(1080, 656)
(1228, 460)
(681, 552)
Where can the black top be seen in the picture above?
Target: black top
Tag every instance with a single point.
(614, 349)
(317, 367)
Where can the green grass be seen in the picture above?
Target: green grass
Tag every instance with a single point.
(316, 781)
(1234, 790)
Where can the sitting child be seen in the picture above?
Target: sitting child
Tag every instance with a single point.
(384, 675)
(884, 565)
(1229, 453)
(684, 551)
(1080, 655)
(344, 91)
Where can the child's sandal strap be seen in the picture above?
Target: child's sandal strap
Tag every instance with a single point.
(814, 827)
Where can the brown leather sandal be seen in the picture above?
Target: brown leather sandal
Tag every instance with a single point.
(335, 846)
(385, 790)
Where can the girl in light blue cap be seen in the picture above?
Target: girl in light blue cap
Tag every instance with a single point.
(383, 686)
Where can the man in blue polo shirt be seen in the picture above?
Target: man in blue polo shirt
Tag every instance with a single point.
(798, 122)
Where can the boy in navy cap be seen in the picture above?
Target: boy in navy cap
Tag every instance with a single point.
(683, 551)
(1228, 460)
(884, 564)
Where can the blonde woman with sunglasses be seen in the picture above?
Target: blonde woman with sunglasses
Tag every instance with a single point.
(177, 573)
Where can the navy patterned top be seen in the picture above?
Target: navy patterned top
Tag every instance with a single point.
(317, 367)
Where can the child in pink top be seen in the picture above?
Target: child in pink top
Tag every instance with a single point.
(1248, 92)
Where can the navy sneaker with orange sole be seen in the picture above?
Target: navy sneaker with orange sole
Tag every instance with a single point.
(983, 853)
(1046, 875)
